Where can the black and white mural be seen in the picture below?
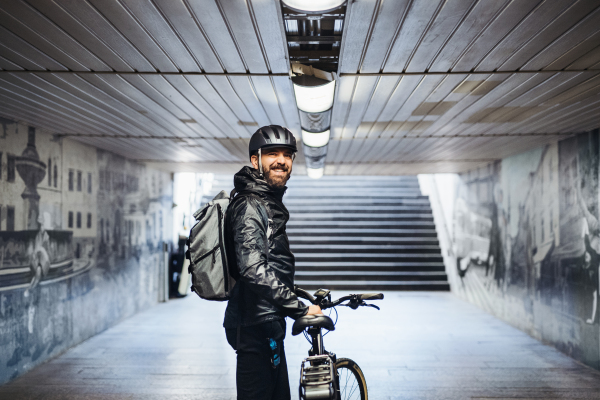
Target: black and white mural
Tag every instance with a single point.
(526, 236)
(82, 235)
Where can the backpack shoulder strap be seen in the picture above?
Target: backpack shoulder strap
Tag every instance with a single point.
(244, 193)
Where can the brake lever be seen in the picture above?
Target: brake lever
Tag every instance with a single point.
(372, 305)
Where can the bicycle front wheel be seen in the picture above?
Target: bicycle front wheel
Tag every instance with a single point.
(352, 384)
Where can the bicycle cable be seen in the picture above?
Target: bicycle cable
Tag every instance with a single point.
(336, 319)
(306, 337)
(325, 334)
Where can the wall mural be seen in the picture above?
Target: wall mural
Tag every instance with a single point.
(527, 243)
(81, 243)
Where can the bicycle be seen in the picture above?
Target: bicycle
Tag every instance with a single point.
(322, 374)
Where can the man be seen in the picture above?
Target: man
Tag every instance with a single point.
(263, 295)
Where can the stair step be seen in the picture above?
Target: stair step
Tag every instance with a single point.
(355, 201)
(301, 249)
(356, 196)
(372, 180)
(337, 208)
(354, 193)
(299, 181)
(344, 268)
(359, 216)
(381, 240)
(368, 264)
(399, 178)
(357, 186)
(395, 276)
(324, 231)
(375, 285)
(333, 224)
(347, 257)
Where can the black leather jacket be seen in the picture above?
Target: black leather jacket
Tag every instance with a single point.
(258, 243)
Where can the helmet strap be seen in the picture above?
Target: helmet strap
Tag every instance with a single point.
(260, 167)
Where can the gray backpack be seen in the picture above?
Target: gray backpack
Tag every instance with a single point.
(212, 274)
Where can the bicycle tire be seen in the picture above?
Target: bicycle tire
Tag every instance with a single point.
(350, 374)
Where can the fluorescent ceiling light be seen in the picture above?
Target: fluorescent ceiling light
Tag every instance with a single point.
(314, 173)
(313, 5)
(313, 95)
(318, 139)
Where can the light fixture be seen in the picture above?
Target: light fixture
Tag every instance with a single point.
(313, 95)
(315, 139)
(314, 5)
(315, 156)
(314, 173)
(315, 122)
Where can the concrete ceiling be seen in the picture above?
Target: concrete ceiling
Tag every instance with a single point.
(424, 85)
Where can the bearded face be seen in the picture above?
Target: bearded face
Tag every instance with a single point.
(277, 174)
(277, 165)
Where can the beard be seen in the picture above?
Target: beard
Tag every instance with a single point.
(277, 181)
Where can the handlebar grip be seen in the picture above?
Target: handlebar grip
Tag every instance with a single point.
(371, 296)
(304, 294)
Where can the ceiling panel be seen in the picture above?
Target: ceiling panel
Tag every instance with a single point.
(423, 85)
(287, 102)
(189, 99)
(223, 87)
(24, 55)
(33, 26)
(477, 18)
(137, 102)
(409, 35)
(40, 93)
(459, 104)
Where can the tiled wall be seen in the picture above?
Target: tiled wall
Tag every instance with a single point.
(81, 243)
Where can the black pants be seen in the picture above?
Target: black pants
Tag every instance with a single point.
(256, 377)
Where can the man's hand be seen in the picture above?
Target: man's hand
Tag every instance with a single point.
(314, 310)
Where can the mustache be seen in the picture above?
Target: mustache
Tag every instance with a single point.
(280, 166)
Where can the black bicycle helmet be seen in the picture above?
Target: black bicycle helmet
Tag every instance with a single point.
(272, 136)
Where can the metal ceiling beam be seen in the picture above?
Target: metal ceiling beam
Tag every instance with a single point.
(181, 138)
(468, 72)
(468, 160)
(143, 73)
(250, 74)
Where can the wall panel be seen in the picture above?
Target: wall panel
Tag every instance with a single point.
(526, 242)
(83, 254)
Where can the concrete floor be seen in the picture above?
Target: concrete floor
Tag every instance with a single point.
(419, 346)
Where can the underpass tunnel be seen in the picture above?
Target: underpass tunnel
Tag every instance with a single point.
(447, 156)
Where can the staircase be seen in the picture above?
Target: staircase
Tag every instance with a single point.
(363, 233)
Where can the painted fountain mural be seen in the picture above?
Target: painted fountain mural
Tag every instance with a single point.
(35, 254)
(82, 234)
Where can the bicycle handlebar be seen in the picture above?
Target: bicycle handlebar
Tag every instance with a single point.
(356, 300)
(304, 294)
(371, 296)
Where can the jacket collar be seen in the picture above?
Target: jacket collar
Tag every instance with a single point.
(248, 179)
